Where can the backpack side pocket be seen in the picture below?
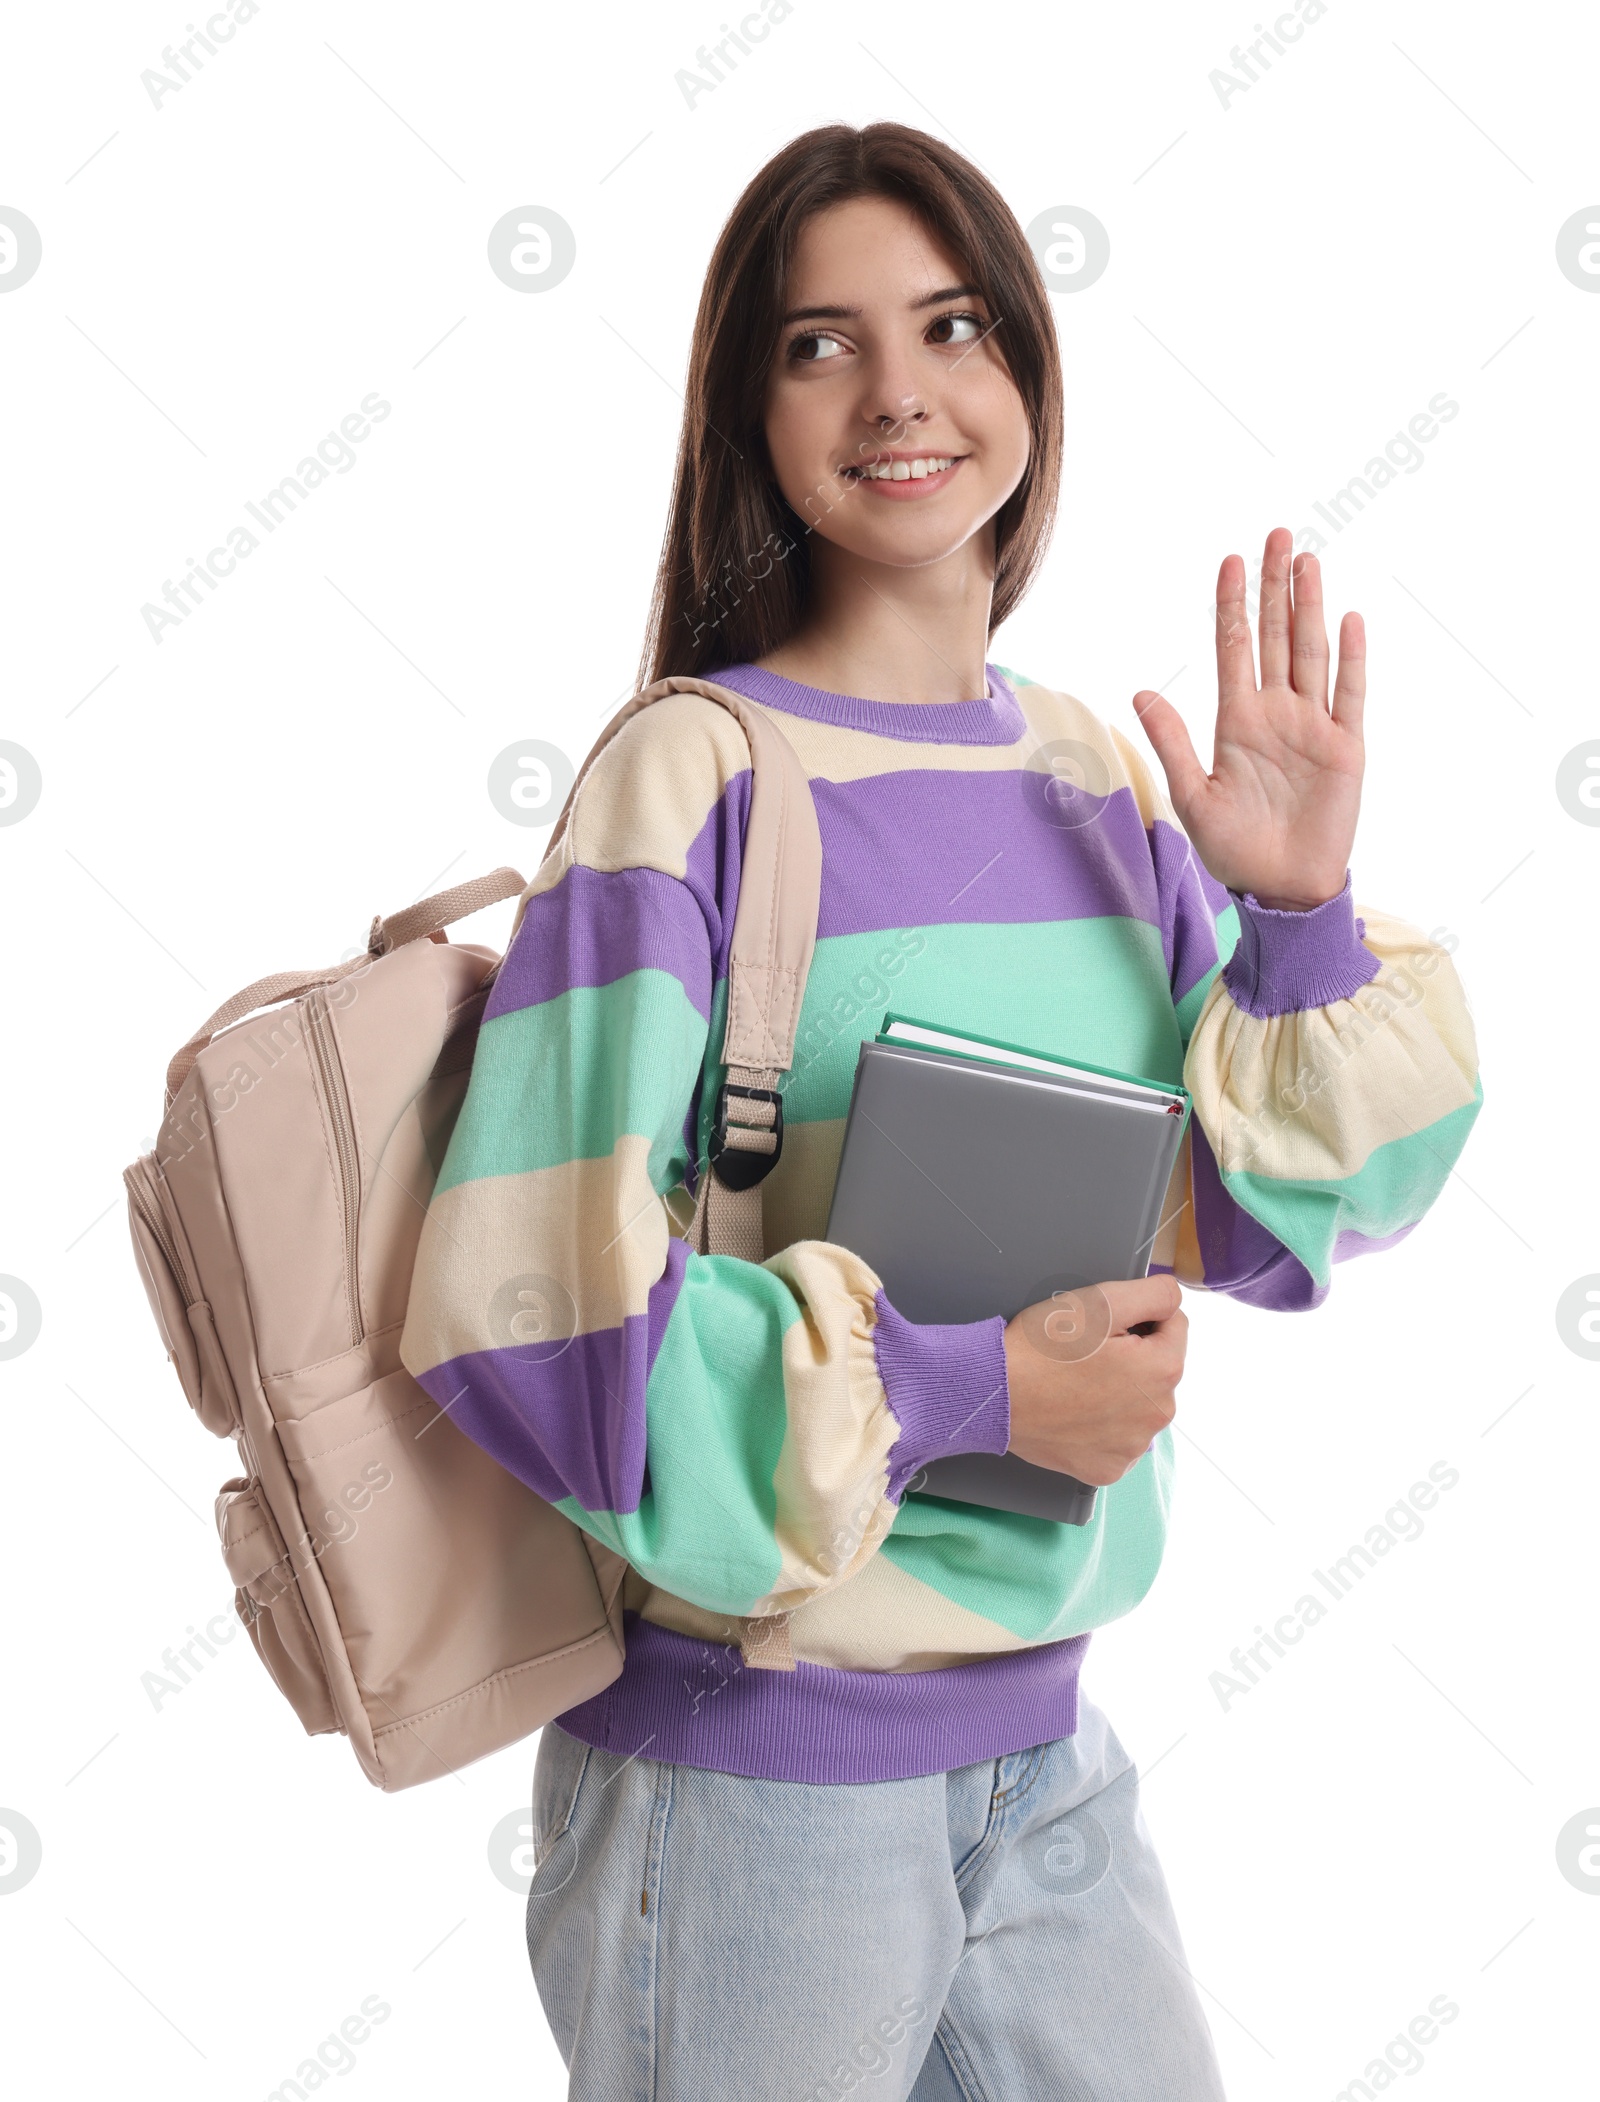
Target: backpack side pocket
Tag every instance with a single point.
(183, 1317)
(268, 1602)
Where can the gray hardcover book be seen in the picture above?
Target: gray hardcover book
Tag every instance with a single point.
(975, 1189)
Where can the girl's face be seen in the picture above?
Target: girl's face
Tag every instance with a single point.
(893, 426)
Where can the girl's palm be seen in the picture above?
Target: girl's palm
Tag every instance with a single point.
(1276, 814)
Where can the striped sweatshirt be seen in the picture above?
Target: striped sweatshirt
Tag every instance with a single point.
(744, 1434)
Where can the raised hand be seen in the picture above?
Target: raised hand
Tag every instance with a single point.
(1277, 812)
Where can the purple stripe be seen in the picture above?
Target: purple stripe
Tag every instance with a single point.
(1217, 895)
(691, 1703)
(1237, 1254)
(997, 719)
(594, 927)
(567, 1418)
(711, 872)
(1191, 898)
(924, 848)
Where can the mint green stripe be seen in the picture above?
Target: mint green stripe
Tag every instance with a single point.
(1392, 1188)
(705, 1528)
(565, 1079)
(1039, 1580)
(562, 1080)
(1096, 989)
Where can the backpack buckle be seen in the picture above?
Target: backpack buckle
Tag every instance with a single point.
(742, 1167)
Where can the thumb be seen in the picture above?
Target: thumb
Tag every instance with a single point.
(1129, 1301)
(1167, 732)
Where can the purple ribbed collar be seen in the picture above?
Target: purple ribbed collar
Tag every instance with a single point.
(996, 719)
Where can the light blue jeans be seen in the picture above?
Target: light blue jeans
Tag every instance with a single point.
(1001, 1933)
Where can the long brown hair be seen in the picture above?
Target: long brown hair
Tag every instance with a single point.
(735, 563)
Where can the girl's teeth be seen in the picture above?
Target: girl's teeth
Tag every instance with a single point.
(904, 470)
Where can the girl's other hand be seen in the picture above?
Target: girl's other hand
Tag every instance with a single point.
(1093, 1376)
(1276, 815)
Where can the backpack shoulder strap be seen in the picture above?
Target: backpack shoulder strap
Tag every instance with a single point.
(774, 934)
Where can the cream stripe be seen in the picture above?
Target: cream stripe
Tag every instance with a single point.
(1147, 792)
(554, 1223)
(1185, 1259)
(883, 1619)
(839, 754)
(1177, 1208)
(650, 791)
(1289, 1098)
(888, 1620)
(795, 1197)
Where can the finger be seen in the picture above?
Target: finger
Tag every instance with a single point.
(1154, 1298)
(1169, 734)
(1236, 664)
(1310, 669)
(1162, 1346)
(1275, 607)
(1350, 683)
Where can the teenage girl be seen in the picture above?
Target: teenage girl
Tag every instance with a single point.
(845, 1816)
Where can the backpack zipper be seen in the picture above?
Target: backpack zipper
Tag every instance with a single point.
(329, 1070)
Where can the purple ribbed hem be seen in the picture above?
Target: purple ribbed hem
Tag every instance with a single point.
(1287, 961)
(996, 719)
(697, 1704)
(946, 1385)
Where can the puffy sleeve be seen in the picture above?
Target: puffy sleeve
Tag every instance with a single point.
(1333, 1066)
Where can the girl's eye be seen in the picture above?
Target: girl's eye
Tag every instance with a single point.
(956, 328)
(813, 347)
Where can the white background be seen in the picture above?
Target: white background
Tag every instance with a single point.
(223, 279)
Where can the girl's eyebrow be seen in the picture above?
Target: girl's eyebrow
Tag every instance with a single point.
(931, 299)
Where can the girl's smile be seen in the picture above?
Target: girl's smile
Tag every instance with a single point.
(904, 476)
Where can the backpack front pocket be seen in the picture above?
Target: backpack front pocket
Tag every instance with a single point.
(450, 1580)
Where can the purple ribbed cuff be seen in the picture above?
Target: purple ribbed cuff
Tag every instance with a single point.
(1288, 961)
(946, 1385)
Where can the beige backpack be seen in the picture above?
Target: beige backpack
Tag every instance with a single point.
(400, 1586)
